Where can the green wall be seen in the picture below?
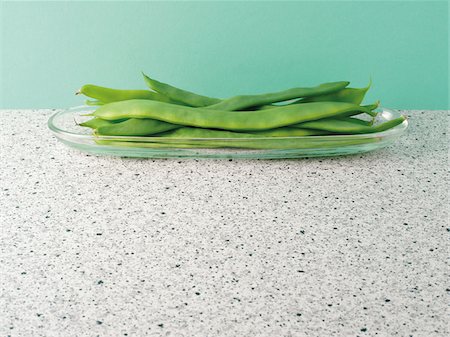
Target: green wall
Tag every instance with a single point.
(49, 49)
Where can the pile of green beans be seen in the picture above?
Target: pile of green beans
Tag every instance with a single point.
(172, 117)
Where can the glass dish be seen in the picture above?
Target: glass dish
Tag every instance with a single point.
(64, 125)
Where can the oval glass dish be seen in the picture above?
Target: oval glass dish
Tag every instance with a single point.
(64, 125)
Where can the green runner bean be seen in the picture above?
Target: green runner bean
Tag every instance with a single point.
(350, 95)
(289, 132)
(108, 95)
(348, 127)
(135, 127)
(188, 137)
(228, 120)
(242, 101)
(261, 144)
(189, 132)
(179, 95)
(356, 120)
(95, 123)
(246, 101)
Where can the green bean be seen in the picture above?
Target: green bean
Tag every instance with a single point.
(289, 132)
(156, 145)
(338, 121)
(189, 132)
(179, 95)
(182, 138)
(247, 101)
(228, 120)
(196, 133)
(95, 123)
(147, 127)
(348, 127)
(218, 138)
(188, 137)
(243, 101)
(108, 95)
(356, 120)
(135, 127)
(370, 109)
(349, 95)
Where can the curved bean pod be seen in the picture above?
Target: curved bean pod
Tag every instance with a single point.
(348, 127)
(350, 95)
(108, 95)
(179, 95)
(95, 123)
(228, 120)
(289, 132)
(188, 137)
(369, 109)
(146, 127)
(154, 145)
(265, 144)
(135, 127)
(356, 121)
(335, 124)
(189, 132)
(247, 101)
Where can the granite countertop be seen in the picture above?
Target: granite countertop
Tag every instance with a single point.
(103, 246)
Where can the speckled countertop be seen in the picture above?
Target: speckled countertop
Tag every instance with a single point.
(101, 246)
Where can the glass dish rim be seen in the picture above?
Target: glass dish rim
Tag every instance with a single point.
(58, 131)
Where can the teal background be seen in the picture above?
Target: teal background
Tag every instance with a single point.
(49, 49)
